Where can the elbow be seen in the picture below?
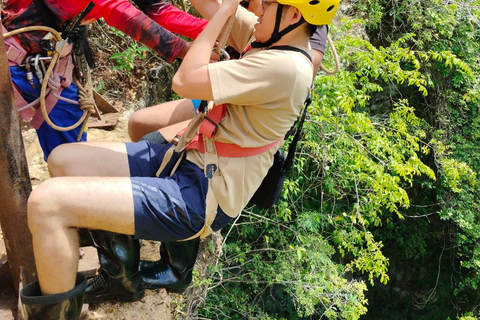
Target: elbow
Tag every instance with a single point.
(178, 85)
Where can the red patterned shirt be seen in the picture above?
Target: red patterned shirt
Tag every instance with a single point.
(120, 14)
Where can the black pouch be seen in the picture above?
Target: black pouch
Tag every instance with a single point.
(271, 188)
(269, 192)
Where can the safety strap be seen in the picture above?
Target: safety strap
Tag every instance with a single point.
(60, 78)
(229, 150)
(277, 34)
(208, 128)
(290, 48)
(15, 52)
(211, 172)
(210, 122)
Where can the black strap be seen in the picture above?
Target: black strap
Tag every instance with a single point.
(297, 126)
(73, 23)
(290, 48)
(298, 129)
(277, 34)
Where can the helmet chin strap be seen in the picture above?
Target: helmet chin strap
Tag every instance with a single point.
(276, 35)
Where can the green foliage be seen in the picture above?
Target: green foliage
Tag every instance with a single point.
(126, 60)
(384, 182)
(281, 270)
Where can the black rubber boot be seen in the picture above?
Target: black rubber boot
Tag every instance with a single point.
(174, 269)
(118, 278)
(65, 306)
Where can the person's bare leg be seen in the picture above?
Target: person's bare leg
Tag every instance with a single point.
(171, 131)
(60, 205)
(160, 116)
(89, 159)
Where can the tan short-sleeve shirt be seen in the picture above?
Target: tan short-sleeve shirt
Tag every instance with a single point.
(264, 92)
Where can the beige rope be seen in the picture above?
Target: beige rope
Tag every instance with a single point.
(86, 100)
(335, 56)
(54, 32)
(225, 33)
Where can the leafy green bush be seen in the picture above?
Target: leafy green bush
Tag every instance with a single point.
(384, 195)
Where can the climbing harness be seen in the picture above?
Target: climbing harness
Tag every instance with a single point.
(57, 76)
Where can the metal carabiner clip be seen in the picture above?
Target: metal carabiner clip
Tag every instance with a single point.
(38, 71)
(29, 74)
(224, 56)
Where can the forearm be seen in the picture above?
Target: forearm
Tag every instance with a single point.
(125, 17)
(192, 78)
(174, 19)
(207, 8)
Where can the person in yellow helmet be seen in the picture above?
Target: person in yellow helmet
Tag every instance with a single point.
(173, 271)
(183, 191)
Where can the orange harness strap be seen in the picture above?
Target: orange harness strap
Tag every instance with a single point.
(208, 128)
(229, 149)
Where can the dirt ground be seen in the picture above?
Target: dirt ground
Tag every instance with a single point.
(157, 304)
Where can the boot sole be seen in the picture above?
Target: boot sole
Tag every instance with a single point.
(121, 298)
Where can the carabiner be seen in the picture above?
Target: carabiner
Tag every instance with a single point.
(29, 71)
(38, 71)
(224, 56)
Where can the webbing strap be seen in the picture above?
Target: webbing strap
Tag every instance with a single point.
(230, 150)
(15, 52)
(211, 171)
(210, 122)
(25, 111)
(208, 128)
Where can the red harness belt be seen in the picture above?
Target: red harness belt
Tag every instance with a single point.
(208, 128)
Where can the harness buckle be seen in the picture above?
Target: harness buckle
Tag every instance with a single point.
(214, 124)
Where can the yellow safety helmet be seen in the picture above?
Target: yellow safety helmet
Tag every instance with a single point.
(316, 12)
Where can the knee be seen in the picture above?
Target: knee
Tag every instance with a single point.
(41, 207)
(135, 127)
(58, 161)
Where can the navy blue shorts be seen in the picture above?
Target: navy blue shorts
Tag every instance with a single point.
(167, 208)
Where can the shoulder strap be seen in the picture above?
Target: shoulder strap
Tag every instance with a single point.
(297, 129)
(75, 21)
(290, 48)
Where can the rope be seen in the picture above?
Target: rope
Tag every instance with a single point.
(225, 33)
(335, 56)
(54, 32)
(85, 94)
(86, 99)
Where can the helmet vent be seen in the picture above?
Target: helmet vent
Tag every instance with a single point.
(314, 2)
(330, 8)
